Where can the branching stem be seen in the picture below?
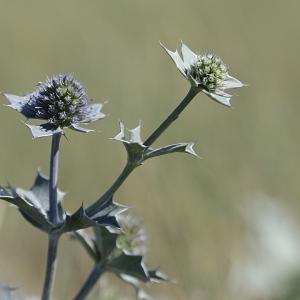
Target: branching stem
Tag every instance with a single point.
(97, 272)
(114, 187)
(92, 209)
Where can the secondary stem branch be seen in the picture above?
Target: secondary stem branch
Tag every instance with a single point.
(97, 272)
(172, 117)
(90, 282)
(151, 139)
(114, 187)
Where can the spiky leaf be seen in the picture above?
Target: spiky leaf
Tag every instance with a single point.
(137, 152)
(106, 216)
(180, 147)
(33, 204)
(105, 241)
(130, 265)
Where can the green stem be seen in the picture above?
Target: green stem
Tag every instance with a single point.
(92, 209)
(90, 282)
(51, 267)
(54, 161)
(53, 238)
(172, 117)
(97, 271)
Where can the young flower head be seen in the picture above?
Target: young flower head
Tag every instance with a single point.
(133, 239)
(206, 72)
(62, 101)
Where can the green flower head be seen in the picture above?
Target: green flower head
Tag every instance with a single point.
(206, 72)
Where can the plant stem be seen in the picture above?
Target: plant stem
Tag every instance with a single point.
(51, 266)
(53, 238)
(92, 209)
(172, 117)
(90, 282)
(54, 160)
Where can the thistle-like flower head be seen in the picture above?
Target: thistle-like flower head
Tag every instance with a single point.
(210, 71)
(206, 72)
(62, 101)
(133, 239)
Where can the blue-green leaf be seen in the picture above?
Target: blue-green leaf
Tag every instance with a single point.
(181, 147)
(137, 152)
(106, 216)
(105, 241)
(130, 265)
(20, 104)
(43, 130)
(33, 204)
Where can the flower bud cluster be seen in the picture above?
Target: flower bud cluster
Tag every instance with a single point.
(61, 100)
(133, 239)
(209, 70)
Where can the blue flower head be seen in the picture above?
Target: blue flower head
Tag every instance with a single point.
(62, 101)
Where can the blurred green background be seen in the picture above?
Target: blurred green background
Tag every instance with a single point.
(193, 209)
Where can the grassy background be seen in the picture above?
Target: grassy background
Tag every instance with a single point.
(191, 207)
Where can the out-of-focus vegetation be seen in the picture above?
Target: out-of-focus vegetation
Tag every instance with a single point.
(192, 208)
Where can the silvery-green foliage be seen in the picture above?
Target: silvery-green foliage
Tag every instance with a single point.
(103, 247)
(33, 204)
(62, 101)
(105, 216)
(137, 152)
(133, 240)
(117, 244)
(206, 72)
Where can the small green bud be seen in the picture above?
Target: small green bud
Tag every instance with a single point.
(133, 240)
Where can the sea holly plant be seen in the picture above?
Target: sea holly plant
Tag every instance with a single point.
(64, 103)
(61, 102)
(34, 205)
